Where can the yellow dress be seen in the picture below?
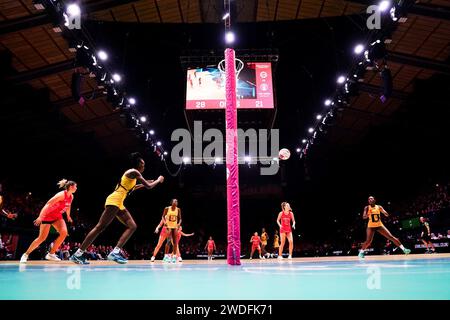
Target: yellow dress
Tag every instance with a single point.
(374, 215)
(171, 218)
(120, 193)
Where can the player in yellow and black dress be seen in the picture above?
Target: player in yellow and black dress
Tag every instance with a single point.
(373, 212)
(172, 217)
(264, 238)
(114, 208)
(425, 235)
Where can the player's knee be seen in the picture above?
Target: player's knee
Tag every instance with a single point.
(63, 233)
(99, 228)
(132, 226)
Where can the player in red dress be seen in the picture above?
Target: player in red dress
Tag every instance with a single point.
(180, 233)
(211, 246)
(256, 245)
(162, 237)
(284, 222)
(51, 215)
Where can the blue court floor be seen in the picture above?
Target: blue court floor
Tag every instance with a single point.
(384, 277)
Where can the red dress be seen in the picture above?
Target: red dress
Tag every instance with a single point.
(55, 211)
(286, 222)
(256, 240)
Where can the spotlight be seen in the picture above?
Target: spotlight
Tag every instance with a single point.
(132, 101)
(73, 10)
(298, 150)
(377, 51)
(341, 79)
(165, 153)
(328, 102)
(159, 143)
(116, 77)
(384, 5)
(359, 49)
(247, 158)
(319, 116)
(226, 16)
(143, 119)
(102, 55)
(144, 136)
(393, 15)
(304, 141)
(186, 160)
(94, 60)
(152, 132)
(311, 130)
(229, 37)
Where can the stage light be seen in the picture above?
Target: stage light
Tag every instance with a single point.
(384, 5)
(116, 77)
(247, 158)
(319, 116)
(102, 55)
(73, 10)
(328, 102)
(359, 49)
(132, 101)
(226, 16)
(311, 130)
(376, 51)
(229, 37)
(341, 79)
(186, 160)
(159, 143)
(217, 160)
(165, 153)
(152, 132)
(393, 15)
(143, 119)
(298, 150)
(304, 141)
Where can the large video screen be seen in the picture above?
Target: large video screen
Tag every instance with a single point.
(205, 87)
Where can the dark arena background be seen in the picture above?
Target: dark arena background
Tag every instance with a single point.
(362, 107)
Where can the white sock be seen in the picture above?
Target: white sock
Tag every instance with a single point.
(79, 253)
(116, 250)
(402, 247)
(361, 250)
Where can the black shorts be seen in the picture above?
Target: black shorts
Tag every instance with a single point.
(426, 237)
(49, 222)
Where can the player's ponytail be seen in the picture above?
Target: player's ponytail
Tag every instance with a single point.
(65, 184)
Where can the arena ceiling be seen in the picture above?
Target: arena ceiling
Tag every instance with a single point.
(419, 49)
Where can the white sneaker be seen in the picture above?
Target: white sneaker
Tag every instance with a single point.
(251, 258)
(24, 258)
(280, 257)
(290, 257)
(52, 257)
(152, 259)
(261, 257)
(180, 259)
